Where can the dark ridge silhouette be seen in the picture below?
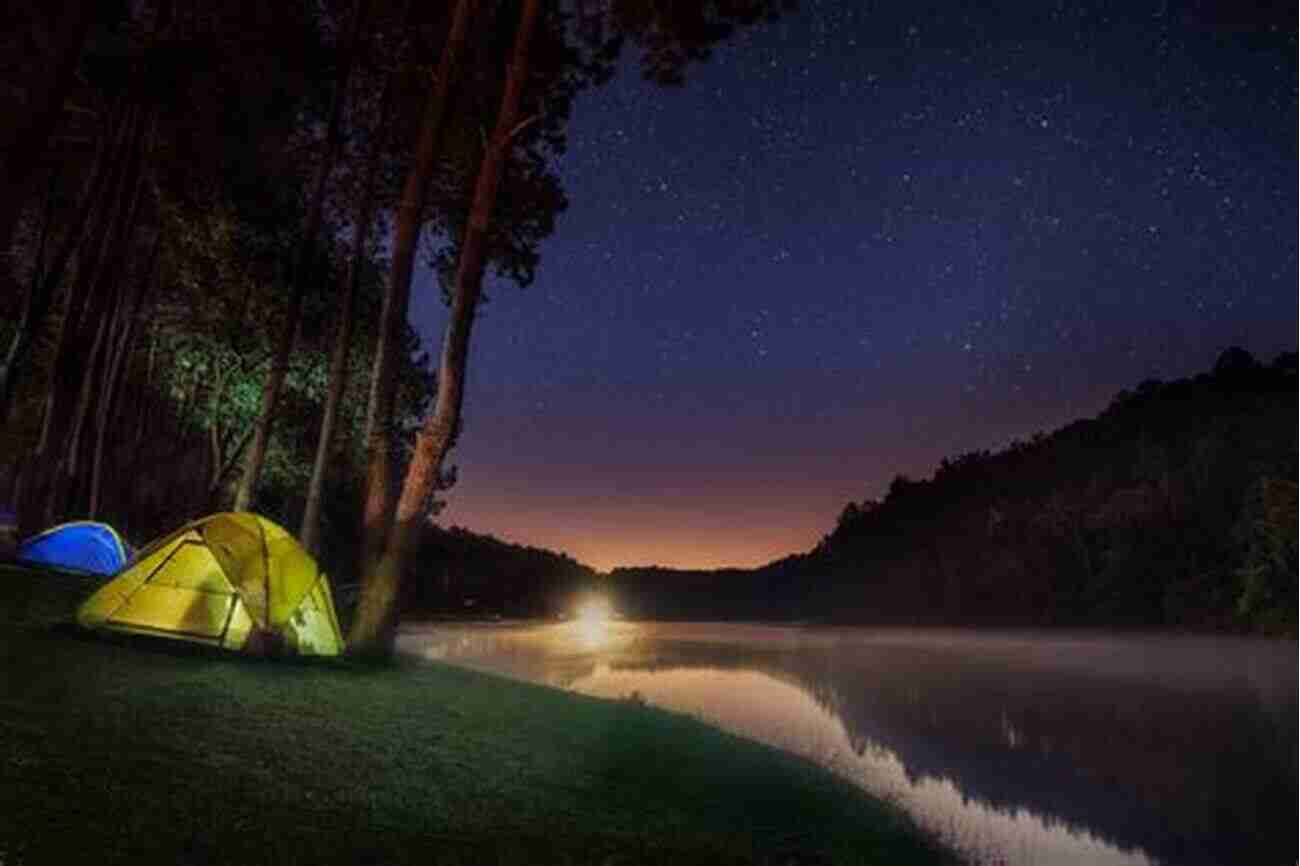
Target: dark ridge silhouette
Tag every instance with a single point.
(1175, 507)
(460, 572)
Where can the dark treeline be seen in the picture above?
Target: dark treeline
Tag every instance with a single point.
(463, 573)
(1176, 507)
(210, 218)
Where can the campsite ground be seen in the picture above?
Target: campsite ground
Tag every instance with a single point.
(144, 753)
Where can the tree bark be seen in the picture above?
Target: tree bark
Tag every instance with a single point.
(383, 376)
(298, 293)
(373, 632)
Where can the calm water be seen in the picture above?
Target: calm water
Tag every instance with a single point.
(1017, 748)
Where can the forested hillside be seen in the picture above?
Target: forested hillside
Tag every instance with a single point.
(464, 573)
(1175, 507)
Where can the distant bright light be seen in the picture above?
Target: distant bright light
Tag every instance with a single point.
(591, 622)
(595, 611)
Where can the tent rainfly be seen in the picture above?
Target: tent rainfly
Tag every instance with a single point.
(233, 580)
(83, 545)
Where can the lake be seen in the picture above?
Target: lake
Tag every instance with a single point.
(1013, 747)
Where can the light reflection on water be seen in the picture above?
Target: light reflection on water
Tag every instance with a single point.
(1013, 747)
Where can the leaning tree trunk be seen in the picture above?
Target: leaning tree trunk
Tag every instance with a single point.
(383, 376)
(373, 632)
(284, 344)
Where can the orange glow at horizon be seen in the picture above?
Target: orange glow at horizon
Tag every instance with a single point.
(695, 539)
(640, 542)
(682, 504)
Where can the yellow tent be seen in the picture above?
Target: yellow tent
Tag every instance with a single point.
(234, 580)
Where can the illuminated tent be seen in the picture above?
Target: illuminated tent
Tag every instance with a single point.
(80, 546)
(235, 581)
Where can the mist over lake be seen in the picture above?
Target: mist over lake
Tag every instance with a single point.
(1012, 746)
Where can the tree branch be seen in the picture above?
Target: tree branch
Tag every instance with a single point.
(522, 125)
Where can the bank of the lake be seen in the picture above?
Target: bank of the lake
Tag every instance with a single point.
(130, 752)
(1015, 747)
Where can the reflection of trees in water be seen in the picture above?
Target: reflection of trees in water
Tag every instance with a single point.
(1185, 776)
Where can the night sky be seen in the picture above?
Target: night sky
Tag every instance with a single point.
(866, 237)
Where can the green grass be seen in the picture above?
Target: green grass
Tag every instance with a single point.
(129, 752)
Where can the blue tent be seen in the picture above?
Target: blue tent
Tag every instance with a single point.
(81, 546)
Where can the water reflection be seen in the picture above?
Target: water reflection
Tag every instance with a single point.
(1016, 748)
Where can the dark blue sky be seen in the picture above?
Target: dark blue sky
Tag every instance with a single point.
(866, 237)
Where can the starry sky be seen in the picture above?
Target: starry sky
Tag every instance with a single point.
(863, 238)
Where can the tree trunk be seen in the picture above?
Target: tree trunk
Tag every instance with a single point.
(26, 150)
(338, 367)
(311, 226)
(81, 318)
(109, 313)
(225, 468)
(59, 492)
(308, 531)
(35, 306)
(147, 400)
(383, 376)
(41, 296)
(373, 632)
(215, 436)
(119, 324)
(121, 351)
(43, 236)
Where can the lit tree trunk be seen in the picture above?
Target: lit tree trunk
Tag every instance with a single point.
(311, 226)
(25, 150)
(383, 375)
(373, 632)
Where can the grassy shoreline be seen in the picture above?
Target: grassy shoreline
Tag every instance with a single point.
(142, 753)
